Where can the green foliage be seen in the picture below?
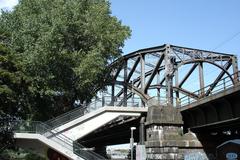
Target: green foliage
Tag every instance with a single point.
(20, 154)
(32, 156)
(13, 84)
(6, 134)
(63, 49)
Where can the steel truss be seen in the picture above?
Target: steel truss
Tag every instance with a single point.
(157, 68)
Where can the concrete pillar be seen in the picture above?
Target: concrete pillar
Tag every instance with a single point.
(142, 131)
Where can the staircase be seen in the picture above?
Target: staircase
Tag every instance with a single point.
(60, 143)
(82, 110)
(84, 125)
(61, 133)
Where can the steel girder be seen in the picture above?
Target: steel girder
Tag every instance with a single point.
(157, 68)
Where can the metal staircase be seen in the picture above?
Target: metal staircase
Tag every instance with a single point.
(59, 142)
(48, 132)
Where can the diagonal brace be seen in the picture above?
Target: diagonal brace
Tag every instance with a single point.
(154, 73)
(213, 85)
(133, 69)
(187, 75)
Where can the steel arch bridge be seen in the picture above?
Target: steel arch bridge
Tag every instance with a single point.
(165, 73)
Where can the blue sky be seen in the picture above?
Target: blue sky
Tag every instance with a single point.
(203, 24)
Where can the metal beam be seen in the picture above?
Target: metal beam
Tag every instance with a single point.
(135, 90)
(182, 56)
(117, 73)
(200, 50)
(153, 73)
(162, 81)
(235, 69)
(128, 96)
(186, 92)
(187, 75)
(177, 85)
(183, 91)
(201, 78)
(125, 81)
(169, 69)
(133, 69)
(112, 94)
(121, 91)
(156, 54)
(142, 72)
(146, 51)
(138, 79)
(129, 68)
(158, 90)
(213, 85)
(147, 64)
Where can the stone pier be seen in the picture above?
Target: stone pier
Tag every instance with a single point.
(165, 138)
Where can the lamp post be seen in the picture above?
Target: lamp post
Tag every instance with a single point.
(132, 141)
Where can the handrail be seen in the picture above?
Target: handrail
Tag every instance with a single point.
(45, 130)
(104, 101)
(226, 82)
(66, 117)
(80, 111)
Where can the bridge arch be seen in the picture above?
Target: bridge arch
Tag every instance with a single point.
(149, 70)
(210, 62)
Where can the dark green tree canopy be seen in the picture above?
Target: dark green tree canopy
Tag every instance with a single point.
(13, 83)
(64, 46)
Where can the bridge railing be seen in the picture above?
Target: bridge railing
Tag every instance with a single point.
(45, 130)
(66, 117)
(116, 102)
(94, 105)
(223, 84)
(161, 100)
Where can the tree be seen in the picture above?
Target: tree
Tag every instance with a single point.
(14, 93)
(10, 94)
(64, 48)
(6, 134)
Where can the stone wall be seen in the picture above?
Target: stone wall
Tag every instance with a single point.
(165, 138)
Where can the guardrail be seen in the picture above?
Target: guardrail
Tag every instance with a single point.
(45, 130)
(66, 117)
(82, 110)
(135, 102)
(223, 84)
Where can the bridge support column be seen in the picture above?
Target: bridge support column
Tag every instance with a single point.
(140, 148)
(142, 131)
(165, 138)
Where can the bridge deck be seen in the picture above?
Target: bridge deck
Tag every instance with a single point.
(213, 97)
(84, 125)
(216, 112)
